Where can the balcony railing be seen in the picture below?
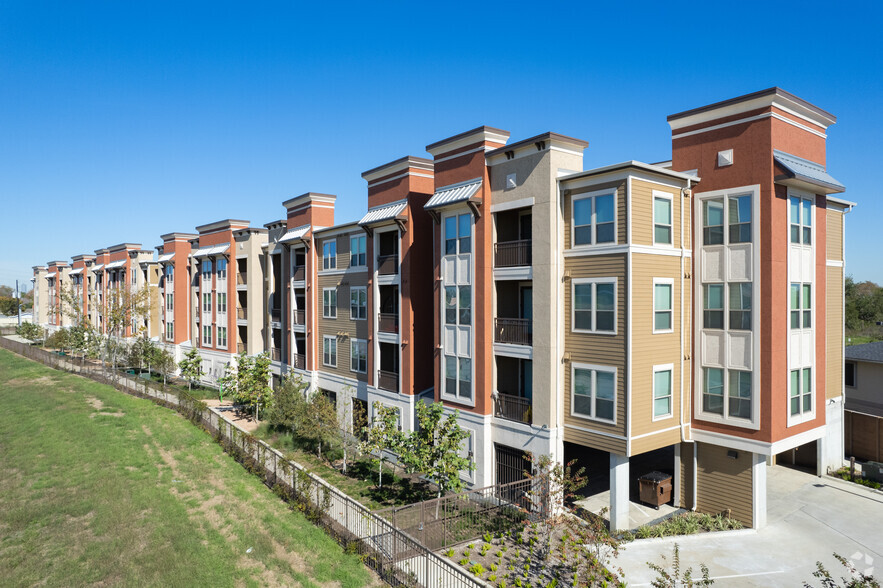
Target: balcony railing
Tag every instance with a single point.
(388, 265)
(241, 313)
(275, 314)
(300, 361)
(513, 330)
(300, 317)
(240, 348)
(513, 408)
(299, 273)
(388, 381)
(388, 322)
(275, 354)
(241, 279)
(512, 253)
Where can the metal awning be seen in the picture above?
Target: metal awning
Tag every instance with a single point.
(99, 267)
(210, 251)
(76, 272)
(294, 234)
(387, 212)
(165, 257)
(804, 173)
(115, 264)
(453, 194)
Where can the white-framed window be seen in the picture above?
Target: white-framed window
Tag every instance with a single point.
(329, 254)
(662, 218)
(593, 218)
(359, 355)
(593, 392)
(170, 331)
(206, 270)
(169, 272)
(221, 268)
(222, 337)
(800, 393)
(206, 334)
(329, 350)
(593, 305)
(801, 306)
(712, 306)
(740, 306)
(458, 305)
(358, 303)
(358, 255)
(222, 302)
(663, 305)
(738, 218)
(800, 215)
(663, 383)
(170, 301)
(727, 397)
(206, 302)
(458, 234)
(329, 302)
(458, 377)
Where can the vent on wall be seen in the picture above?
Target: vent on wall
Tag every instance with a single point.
(510, 181)
(725, 158)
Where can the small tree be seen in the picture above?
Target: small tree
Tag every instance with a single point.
(191, 367)
(382, 435)
(163, 362)
(351, 415)
(29, 331)
(321, 426)
(677, 579)
(79, 339)
(289, 403)
(60, 339)
(251, 384)
(856, 579)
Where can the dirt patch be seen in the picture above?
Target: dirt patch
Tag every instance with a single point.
(243, 418)
(30, 381)
(104, 413)
(94, 402)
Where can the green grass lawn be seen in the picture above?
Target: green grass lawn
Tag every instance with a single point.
(102, 488)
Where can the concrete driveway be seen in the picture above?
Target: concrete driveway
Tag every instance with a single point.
(808, 519)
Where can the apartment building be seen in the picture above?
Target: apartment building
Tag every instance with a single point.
(56, 282)
(79, 280)
(685, 315)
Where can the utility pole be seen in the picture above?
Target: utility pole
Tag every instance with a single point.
(18, 302)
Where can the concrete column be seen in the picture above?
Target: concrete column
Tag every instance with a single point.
(619, 492)
(758, 489)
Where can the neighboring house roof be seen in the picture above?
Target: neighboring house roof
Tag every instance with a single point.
(808, 171)
(866, 352)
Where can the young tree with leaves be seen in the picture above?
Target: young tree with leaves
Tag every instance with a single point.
(321, 424)
(163, 362)
(123, 308)
(289, 403)
(191, 367)
(382, 435)
(29, 331)
(351, 414)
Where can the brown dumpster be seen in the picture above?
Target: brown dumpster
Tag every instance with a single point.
(655, 488)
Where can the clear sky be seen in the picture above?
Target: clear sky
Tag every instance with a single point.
(121, 121)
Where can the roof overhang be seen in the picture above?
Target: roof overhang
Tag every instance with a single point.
(804, 174)
(166, 257)
(460, 193)
(115, 264)
(385, 214)
(295, 234)
(211, 251)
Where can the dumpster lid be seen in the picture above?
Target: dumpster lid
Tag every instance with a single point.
(655, 477)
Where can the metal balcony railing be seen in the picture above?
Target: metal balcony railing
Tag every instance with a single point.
(240, 348)
(513, 330)
(512, 253)
(388, 380)
(300, 317)
(388, 322)
(299, 273)
(388, 264)
(300, 361)
(275, 354)
(241, 279)
(241, 313)
(513, 408)
(275, 314)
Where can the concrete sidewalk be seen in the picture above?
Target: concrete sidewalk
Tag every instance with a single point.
(809, 518)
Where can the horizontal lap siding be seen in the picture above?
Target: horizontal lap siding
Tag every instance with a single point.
(642, 212)
(724, 483)
(685, 475)
(596, 349)
(834, 328)
(834, 235)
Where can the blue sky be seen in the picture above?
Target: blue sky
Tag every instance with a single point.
(121, 121)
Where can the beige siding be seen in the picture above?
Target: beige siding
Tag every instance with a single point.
(723, 483)
(343, 249)
(597, 349)
(650, 349)
(834, 331)
(642, 212)
(621, 229)
(834, 235)
(685, 475)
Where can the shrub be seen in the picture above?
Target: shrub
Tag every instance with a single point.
(477, 569)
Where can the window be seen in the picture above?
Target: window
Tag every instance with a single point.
(206, 302)
(329, 302)
(593, 391)
(207, 335)
(800, 211)
(712, 222)
(169, 272)
(662, 305)
(329, 350)
(740, 306)
(594, 306)
(170, 301)
(801, 306)
(358, 257)
(221, 269)
(222, 302)
(662, 205)
(849, 374)
(458, 234)
(739, 395)
(222, 336)
(329, 254)
(662, 391)
(713, 391)
(713, 306)
(801, 392)
(458, 305)
(358, 303)
(593, 219)
(170, 331)
(206, 270)
(740, 219)
(359, 355)
(458, 377)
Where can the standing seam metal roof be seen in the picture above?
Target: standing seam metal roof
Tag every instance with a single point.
(809, 171)
(294, 234)
(453, 194)
(383, 213)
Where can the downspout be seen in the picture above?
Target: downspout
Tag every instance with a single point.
(684, 194)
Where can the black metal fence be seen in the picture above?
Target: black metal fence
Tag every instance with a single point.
(395, 554)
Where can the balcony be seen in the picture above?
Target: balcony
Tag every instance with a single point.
(388, 381)
(388, 265)
(276, 354)
(241, 279)
(299, 274)
(513, 408)
(300, 317)
(300, 361)
(388, 323)
(516, 331)
(241, 313)
(275, 315)
(513, 253)
(240, 348)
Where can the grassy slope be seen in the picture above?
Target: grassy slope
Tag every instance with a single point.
(100, 487)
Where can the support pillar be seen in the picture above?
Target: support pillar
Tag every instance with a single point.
(619, 492)
(758, 490)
